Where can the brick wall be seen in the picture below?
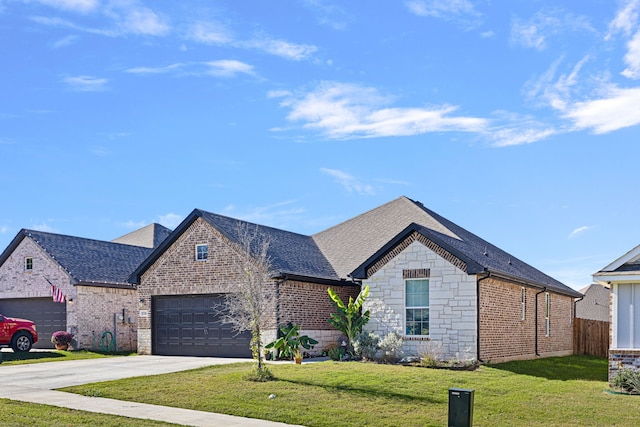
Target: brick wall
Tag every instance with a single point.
(452, 303)
(619, 359)
(177, 272)
(95, 308)
(15, 282)
(503, 333)
(309, 305)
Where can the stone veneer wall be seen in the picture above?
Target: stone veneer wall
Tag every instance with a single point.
(95, 308)
(505, 336)
(619, 359)
(452, 301)
(177, 272)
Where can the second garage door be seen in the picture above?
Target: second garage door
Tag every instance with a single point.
(189, 325)
(49, 316)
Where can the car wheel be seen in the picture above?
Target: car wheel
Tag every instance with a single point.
(21, 342)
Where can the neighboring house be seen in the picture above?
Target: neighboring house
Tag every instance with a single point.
(595, 304)
(623, 277)
(431, 281)
(91, 275)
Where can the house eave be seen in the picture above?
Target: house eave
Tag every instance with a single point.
(617, 277)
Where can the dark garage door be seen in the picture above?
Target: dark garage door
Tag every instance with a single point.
(189, 325)
(49, 316)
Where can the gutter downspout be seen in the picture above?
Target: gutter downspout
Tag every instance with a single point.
(536, 322)
(488, 274)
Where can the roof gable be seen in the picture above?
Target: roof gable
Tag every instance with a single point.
(477, 254)
(290, 253)
(85, 260)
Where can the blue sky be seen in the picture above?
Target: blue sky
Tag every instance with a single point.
(517, 120)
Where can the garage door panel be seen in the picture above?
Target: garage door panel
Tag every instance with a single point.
(195, 328)
(49, 316)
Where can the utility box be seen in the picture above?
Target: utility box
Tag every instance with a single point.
(460, 407)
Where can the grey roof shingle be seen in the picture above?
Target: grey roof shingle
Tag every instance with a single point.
(88, 260)
(290, 253)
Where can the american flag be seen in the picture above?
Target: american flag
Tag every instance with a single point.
(56, 293)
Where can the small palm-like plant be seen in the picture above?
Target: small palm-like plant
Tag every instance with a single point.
(349, 319)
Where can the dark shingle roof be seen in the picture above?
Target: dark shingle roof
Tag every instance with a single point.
(480, 255)
(88, 260)
(290, 253)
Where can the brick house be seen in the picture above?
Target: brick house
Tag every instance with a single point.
(182, 284)
(622, 276)
(431, 281)
(92, 276)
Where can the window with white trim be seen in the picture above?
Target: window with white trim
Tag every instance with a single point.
(417, 307)
(28, 264)
(626, 313)
(523, 295)
(202, 252)
(546, 314)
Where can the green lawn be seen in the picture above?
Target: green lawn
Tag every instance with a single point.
(569, 391)
(11, 358)
(21, 414)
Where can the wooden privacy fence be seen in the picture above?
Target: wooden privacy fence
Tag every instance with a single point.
(591, 337)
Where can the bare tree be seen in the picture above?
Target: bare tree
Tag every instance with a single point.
(251, 304)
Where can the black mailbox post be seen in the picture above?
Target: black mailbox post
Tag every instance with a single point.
(460, 407)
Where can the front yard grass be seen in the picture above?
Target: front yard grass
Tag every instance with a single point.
(567, 391)
(11, 358)
(20, 414)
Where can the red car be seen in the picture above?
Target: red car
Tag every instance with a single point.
(20, 334)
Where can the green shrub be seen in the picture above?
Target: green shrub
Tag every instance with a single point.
(627, 379)
(390, 347)
(365, 345)
(336, 353)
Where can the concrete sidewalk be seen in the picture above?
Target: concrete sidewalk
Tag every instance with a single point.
(35, 383)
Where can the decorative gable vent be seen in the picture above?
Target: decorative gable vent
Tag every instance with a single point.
(416, 273)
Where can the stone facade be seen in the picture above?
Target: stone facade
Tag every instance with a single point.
(505, 335)
(452, 303)
(619, 359)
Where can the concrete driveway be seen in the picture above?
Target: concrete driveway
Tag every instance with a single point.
(36, 382)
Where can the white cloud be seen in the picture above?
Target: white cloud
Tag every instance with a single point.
(135, 225)
(125, 17)
(86, 83)
(228, 68)
(579, 231)
(343, 111)
(219, 68)
(626, 19)
(65, 41)
(81, 6)
(141, 20)
(170, 220)
(616, 110)
(4, 229)
(210, 33)
(461, 10)
(348, 182)
(632, 58)
(535, 32)
(518, 135)
(284, 49)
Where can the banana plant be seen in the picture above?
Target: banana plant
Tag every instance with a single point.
(349, 319)
(290, 341)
